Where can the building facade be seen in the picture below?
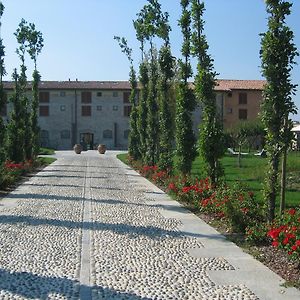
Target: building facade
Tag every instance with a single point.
(97, 112)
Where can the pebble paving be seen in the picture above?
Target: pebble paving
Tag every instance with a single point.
(81, 230)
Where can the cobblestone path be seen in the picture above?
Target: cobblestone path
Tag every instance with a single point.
(83, 229)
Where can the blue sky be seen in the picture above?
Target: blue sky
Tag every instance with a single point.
(79, 36)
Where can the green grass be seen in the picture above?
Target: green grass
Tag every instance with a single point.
(45, 161)
(252, 174)
(123, 157)
(46, 151)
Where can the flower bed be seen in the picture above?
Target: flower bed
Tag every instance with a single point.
(235, 206)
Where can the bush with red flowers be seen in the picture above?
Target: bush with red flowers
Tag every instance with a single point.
(285, 232)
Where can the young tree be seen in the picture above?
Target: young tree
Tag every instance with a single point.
(166, 74)
(35, 45)
(278, 54)
(211, 144)
(150, 24)
(133, 146)
(16, 126)
(2, 94)
(23, 123)
(185, 104)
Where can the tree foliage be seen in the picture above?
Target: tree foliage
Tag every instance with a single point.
(278, 54)
(2, 93)
(211, 144)
(133, 144)
(185, 104)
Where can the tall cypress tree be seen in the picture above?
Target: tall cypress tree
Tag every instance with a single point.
(35, 45)
(185, 104)
(166, 63)
(211, 134)
(2, 98)
(133, 145)
(2, 95)
(24, 123)
(16, 126)
(278, 54)
(144, 81)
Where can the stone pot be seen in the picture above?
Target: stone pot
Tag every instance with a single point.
(101, 148)
(77, 148)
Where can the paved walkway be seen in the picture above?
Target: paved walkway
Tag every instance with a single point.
(89, 227)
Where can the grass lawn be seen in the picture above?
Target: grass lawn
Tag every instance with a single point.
(46, 151)
(252, 173)
(45, 161)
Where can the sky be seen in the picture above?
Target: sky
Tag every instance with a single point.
(78, 37)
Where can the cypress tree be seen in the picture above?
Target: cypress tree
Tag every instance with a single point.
(278, 54)
(133, 145)
(211, 134)
(16, 125)
(166, 63)
(2, 97)
(185, 104)
(35, 45)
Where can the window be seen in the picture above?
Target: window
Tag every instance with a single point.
(65, 134)
(99, 94)
(126, 96)
(44, 97)
(62, 108)
(86, 111)
(44, 111)
(99, 107)
(242, 98)
(86, 97)
(127, 111)
(107, 134)
(3, 111)
(62, 94)
(243, 114)
(126, 134)
(115, 94)
(115, 107)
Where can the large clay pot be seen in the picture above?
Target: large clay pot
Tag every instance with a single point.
(101, 148)
(77, 148)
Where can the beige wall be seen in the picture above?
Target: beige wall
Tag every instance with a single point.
(232, 106)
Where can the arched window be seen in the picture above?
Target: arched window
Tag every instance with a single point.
(107, 134)
(126, 134)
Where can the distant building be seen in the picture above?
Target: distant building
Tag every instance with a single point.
(239, 100)
(97, 112)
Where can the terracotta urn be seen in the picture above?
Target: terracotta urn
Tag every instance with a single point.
(77, 148)
(101, 148)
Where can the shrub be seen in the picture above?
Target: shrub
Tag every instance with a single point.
(285, 232)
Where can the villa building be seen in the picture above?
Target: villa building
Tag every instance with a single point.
(97, 112)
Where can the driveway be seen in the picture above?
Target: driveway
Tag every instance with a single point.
(89, 227)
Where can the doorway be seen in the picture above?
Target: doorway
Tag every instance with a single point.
(87, 141)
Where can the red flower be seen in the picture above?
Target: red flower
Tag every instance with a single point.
(292, 211)
(274, 233)
(297, 243)
(275, 244)
(294, 248)
(285, 241)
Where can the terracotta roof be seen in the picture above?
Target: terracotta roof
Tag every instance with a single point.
(223, 85)
(229, 85)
